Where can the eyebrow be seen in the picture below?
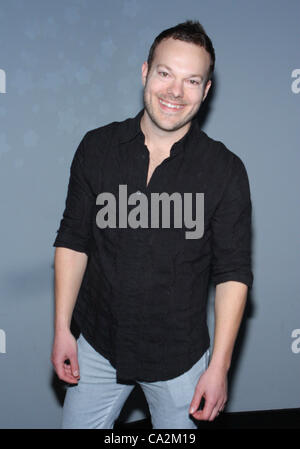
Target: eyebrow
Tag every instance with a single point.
(189, 76)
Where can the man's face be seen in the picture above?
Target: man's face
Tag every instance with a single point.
(175, 86)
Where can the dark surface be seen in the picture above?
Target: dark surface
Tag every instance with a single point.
(270, 419)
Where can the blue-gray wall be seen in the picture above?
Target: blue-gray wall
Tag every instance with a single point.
(67, 66)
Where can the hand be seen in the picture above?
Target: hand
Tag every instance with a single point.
(212, 386)
(65, 348)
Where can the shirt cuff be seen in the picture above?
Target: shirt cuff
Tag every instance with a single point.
(245, 278)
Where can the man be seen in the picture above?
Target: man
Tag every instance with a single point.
(138, 293)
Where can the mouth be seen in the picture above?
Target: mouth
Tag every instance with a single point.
(169, 106)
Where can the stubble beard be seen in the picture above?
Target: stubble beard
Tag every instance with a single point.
(176, 126)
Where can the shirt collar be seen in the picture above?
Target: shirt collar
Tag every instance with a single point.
(132, 129)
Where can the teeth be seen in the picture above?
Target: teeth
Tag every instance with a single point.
(171, 105)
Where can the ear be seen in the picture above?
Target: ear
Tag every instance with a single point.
(144, 72)
(206, 89)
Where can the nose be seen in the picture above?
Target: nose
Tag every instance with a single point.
(176, 88)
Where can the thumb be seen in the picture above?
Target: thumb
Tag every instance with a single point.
(74, 365)
(198, 395)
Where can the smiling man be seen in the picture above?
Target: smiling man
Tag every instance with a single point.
(175, 86)
(139, 294)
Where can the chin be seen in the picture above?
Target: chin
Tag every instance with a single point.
(173, 125)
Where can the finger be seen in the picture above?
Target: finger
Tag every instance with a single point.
(196, 401)
(67, 368)
(63, 374)
(217, 410)
(70, 379)
(214, 413)
(74, 365)
(61, 367)
(203, 415)
(69, 376)
(223, 406)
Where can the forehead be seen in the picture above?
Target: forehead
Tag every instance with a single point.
(182, 57)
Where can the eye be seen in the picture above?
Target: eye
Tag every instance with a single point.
(163, 74)
(194, 82)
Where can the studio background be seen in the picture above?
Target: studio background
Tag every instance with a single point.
(68, 66)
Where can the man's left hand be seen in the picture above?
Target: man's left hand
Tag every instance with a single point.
(212, 386)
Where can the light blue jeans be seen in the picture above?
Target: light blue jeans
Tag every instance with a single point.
(97, 400)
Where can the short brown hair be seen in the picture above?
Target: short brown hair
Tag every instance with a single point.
(188, 31)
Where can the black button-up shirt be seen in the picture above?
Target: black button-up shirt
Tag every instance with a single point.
(142, 302)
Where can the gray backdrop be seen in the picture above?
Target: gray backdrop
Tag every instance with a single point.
(68, 66)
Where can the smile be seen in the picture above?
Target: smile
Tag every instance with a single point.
(170, 105)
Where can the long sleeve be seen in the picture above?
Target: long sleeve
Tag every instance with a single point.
(75, 227)
(231, 229)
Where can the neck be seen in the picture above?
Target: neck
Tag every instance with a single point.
(158, 138)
